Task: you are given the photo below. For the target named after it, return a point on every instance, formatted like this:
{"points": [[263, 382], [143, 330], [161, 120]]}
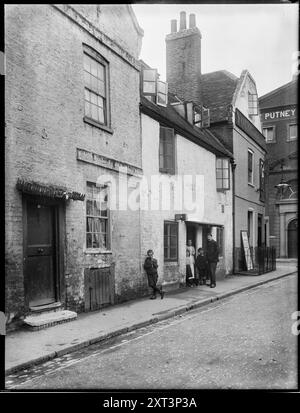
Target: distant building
{"points": [[279, 118], [72, 118], [234, 118]]}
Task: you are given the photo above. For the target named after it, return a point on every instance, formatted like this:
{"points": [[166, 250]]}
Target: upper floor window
{"points": [[222, 173], [292, 132], [96, 96], [269, 134], [97, 221], [154, 88], [261, 180], [167, 150], [250, 166], [201, 117], [252, 104]]}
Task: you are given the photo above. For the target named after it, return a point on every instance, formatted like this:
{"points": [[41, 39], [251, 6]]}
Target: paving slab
{"points": [[25, 348]]}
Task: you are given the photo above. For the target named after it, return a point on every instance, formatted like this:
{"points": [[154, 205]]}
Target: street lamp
{"points": [[283, 185]]}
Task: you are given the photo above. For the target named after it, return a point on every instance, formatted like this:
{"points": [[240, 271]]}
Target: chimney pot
{"points": [[192, 21], [173, 26], [182, 20]]}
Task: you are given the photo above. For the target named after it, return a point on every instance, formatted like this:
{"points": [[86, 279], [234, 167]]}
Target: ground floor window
{"points": [[97, 225], [170, 241]]}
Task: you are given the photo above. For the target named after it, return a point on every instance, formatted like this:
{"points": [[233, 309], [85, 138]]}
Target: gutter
{"points": [[233, 166]]}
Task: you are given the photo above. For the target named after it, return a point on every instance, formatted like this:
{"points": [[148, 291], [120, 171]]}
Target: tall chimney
{"points": [[183, 58], [192, 21], [173, 26], [182, 20]]}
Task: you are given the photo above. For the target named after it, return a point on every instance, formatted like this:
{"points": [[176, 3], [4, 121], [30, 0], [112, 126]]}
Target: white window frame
{"points": [[292, 138], [252, 176], [252, 104], [265, 129]]}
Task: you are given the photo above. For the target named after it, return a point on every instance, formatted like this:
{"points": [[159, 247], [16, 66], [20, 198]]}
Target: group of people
{"points": [[198, 271], [202, 270]]}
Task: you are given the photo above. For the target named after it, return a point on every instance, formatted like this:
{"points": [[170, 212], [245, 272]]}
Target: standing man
{"points": [[212, 258], [150, 267]]}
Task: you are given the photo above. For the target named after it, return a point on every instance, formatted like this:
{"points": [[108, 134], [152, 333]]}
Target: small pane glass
{"points": [[94, 83], [219, 163], [87, 79], [100, 74], [149, 74], [100, 115], [89, 224], [87, 109], [94, 112], [225, 173], [96, 239], [173, 229], [86, 63], [89, 207], [173, 252], [219, 173], [94, 98], [89, 240], [94, 68], [149, 87]]}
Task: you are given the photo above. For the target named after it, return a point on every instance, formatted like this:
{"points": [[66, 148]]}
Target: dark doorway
{"points": [[191, 234], [40, 253], [206, 229], [293, 239], [259, 230]]}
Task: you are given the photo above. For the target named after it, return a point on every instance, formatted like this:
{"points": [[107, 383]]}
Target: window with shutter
{"points": [[205, 118], [162, 93], [149, 82], [167, 150]]}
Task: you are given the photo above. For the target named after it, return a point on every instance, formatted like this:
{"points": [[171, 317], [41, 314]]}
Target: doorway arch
{"points": [[293, 238]]}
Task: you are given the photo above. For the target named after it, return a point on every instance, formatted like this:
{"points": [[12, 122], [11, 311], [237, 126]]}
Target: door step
{"points": [[48, 318]]}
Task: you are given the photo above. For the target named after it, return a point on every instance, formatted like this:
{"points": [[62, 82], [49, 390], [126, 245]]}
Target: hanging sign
{"points": [[246, 248]]}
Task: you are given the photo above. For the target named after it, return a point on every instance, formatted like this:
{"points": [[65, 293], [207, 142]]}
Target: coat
{"points": [[201, 262], [212, 252], [150, 267]]}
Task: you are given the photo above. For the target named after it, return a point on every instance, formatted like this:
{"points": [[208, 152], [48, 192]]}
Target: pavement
{"points": [[24, 348]]}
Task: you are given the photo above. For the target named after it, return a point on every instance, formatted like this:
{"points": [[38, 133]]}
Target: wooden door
{"points": [[293, 239], [40, 254]]}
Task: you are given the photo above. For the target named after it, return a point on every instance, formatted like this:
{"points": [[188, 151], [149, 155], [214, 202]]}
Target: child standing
{"points": [[150, 267], [201, 264]]}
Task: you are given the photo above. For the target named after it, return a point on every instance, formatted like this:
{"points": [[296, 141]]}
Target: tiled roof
{"points": [[169, 116], [217, 92]]}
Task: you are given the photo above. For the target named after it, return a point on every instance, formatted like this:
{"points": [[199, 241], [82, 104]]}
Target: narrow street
{"points": [[243, 342]]}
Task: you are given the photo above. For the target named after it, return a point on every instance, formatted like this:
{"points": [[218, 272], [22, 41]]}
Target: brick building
{"points": [[72, 119], [233, 108], [279, 118]]}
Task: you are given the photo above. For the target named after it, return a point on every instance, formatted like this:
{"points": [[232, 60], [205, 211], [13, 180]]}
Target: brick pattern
{"points": [[183, 57]]}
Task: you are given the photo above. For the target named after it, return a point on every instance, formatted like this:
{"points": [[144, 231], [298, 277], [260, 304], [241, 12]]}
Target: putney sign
{"points": [[279, 114]]}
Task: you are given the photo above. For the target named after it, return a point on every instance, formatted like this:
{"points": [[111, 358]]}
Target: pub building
{"points": [[279, 118]]}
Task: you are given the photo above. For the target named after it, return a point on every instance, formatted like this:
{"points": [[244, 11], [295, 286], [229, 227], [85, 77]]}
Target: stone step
{"points": [[48, 319]]}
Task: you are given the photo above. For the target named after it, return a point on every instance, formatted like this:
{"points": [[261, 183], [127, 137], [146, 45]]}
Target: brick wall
{"points": [[44, 127], [183, 58]]}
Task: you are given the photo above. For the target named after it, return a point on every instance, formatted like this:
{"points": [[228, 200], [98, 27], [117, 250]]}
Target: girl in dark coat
{"points": [[150, 267]]}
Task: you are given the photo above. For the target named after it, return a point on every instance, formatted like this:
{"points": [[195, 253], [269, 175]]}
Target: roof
{"points": [[217, 93], [169, 116], [283, 95]]}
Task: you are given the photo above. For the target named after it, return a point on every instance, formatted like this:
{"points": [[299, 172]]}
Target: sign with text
{"points": [[279, 113], [246, 248]]}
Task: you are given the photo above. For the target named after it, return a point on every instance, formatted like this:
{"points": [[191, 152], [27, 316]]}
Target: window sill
{"points": [[97, 251], [171, 263], [222, 190], [249, 183], [98, 125]]}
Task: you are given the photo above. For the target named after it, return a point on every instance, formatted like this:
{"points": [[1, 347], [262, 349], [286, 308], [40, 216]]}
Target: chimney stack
{"points": [[173, 26], [192, 21], [183, 58], [182, 20]]}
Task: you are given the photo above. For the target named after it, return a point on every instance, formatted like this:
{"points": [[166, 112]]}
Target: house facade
{"points": [[279, 118], [234, 118], [72, 142]]}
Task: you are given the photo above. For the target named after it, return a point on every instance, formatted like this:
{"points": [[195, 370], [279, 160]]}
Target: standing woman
{"points": [[192, 253]]}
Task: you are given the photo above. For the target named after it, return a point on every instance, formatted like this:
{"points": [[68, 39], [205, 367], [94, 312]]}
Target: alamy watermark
{"points": [[153, 193]]}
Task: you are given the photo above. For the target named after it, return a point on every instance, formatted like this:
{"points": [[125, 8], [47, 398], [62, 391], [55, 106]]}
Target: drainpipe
{"points": [[233, 166]]}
